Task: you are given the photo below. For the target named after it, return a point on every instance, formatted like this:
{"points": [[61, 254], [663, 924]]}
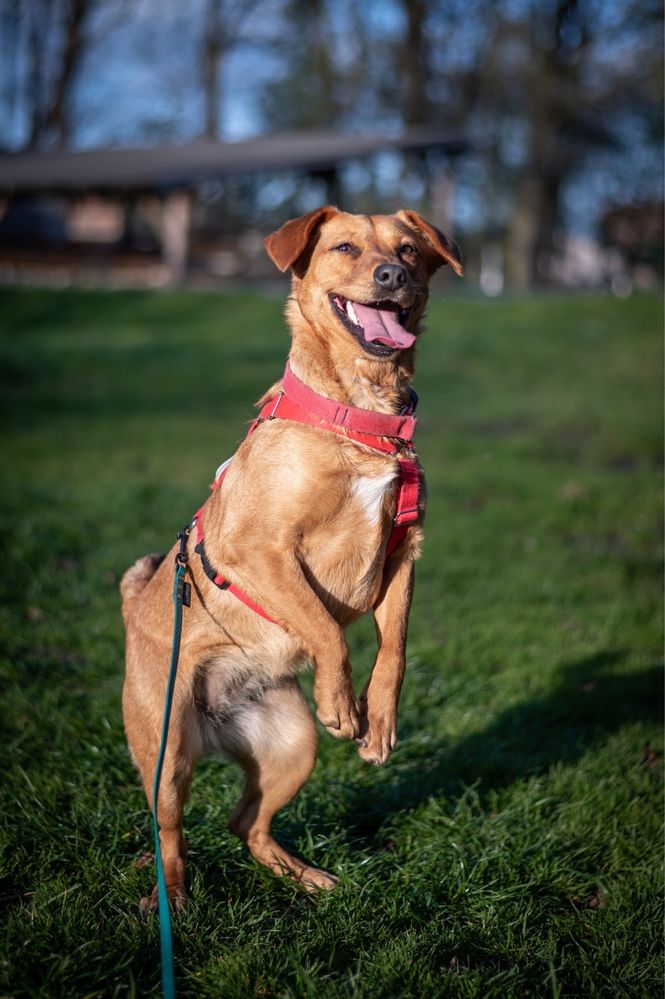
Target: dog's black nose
{"points": [[390, 276]]}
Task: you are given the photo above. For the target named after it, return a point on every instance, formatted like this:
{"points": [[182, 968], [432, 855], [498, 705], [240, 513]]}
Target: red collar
{"points": [[297, 401]]}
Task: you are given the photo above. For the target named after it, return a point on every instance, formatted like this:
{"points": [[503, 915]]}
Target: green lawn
{"points": [[512, 845]]}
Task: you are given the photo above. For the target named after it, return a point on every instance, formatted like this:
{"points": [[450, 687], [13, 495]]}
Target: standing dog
{"points": [[301, 524]]}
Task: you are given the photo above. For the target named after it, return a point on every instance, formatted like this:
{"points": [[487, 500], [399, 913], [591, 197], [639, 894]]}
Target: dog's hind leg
{"points": [[274, 740], [181, 755]]}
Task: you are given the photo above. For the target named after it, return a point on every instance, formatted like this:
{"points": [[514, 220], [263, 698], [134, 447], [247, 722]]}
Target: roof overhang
{"points": [[166, 167]]}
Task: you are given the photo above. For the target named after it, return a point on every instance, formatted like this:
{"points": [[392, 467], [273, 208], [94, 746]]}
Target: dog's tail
{"points": [[136, 579]]}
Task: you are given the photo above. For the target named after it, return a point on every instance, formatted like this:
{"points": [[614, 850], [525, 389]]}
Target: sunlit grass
{"points": [[512, 844]]}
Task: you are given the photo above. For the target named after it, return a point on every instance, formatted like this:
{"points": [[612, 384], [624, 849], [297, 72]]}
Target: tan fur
{"points": [[301, 524], [136, 579]]}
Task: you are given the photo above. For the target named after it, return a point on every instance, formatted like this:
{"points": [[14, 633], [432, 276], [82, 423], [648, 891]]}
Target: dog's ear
{"points": [[441, 249], [291, 246]]}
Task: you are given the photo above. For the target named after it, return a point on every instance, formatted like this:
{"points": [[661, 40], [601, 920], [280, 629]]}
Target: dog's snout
{"points": [[390, 276]]}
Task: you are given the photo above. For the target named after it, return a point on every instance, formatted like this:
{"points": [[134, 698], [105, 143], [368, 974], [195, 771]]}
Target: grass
{"points": [[512, 845]]}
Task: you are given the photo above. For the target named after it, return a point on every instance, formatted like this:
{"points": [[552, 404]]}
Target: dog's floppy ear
{"points": [[441, 249], [287, 245]]}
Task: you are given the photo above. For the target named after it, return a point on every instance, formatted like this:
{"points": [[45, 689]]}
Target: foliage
{"points": [[511, 846]]}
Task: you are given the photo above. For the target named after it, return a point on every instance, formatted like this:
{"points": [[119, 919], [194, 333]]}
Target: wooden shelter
{"points": [[171, 175]]}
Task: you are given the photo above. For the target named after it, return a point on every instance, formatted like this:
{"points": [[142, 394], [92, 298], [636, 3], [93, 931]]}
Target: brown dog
{"points": [[302, 524]]}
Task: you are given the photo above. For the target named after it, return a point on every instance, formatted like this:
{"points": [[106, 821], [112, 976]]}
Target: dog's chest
{"points": [[367, 494], [343, 556]]}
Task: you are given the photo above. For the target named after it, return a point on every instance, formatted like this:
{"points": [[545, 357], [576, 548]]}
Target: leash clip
{"points": [[182, 557], [183, 592]]}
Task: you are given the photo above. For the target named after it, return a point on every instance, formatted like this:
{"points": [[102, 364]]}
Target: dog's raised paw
{"points": [[341, 719], [370, 755], [346, 729], [375, 750]]}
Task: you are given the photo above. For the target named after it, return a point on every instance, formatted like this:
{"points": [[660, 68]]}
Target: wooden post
{"points": [[441, 194], [176, 218]]}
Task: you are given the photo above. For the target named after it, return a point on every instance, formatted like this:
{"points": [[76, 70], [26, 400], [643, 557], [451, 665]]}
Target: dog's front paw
{"points": [[378, 737], [339, 712]]}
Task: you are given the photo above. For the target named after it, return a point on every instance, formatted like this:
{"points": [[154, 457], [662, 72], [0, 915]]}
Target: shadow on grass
{"points": [[590, 702]]}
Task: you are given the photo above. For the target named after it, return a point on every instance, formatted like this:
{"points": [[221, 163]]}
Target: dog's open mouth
{"points": [[378, 327]]}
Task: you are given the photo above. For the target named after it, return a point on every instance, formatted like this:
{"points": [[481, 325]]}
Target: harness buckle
{"points": [[280, 396], [406, 516]]}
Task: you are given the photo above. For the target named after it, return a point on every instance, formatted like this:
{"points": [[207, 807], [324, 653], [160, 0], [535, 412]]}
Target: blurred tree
{"points": [[415, 64], [548, 91], [560, 123], [313, 90], [55, 35], [226, 25], [53, 123], [49, 40]]}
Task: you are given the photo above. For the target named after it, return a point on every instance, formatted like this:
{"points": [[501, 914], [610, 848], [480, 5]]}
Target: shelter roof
{"points": [[172, 166]]}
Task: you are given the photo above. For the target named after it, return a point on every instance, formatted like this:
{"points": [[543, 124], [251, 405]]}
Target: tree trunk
{"points": [[36, 17], [414, 59], [323, 71], [554, 72], [56, 120], [213, 46], [522, 233], [49, 121]]}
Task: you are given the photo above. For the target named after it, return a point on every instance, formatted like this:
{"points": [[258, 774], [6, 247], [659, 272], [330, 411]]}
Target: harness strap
{"points": [[336, 415], [406, 512], [210, 571], [379, 431], [283, 407], [225, 584]]}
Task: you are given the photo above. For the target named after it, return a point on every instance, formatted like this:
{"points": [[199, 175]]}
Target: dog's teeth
{"points": [[351, 313]]}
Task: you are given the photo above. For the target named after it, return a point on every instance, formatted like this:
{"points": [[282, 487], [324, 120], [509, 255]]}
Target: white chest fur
{"points": [[369, 491]]}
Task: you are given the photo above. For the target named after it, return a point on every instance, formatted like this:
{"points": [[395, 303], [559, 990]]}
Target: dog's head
{"points": [[362, 279]]}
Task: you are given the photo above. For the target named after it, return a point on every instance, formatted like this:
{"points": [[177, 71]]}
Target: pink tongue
{"points": [[381, 326]]}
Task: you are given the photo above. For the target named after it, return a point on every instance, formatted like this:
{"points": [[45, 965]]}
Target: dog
{"points": [[296, 541]]}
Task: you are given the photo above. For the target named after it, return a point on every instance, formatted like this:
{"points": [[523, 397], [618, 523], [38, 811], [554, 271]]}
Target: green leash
{"points": [[181, 597]]}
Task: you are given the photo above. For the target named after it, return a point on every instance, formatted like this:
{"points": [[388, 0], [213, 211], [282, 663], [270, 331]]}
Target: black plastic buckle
{"points": [[182, 557]]}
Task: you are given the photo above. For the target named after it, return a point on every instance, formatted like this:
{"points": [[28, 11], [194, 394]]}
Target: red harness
{"points": [[301, 404]]}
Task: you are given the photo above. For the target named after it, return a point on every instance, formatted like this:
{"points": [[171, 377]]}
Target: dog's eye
{"points": [[406, 248], [345, 248]]}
